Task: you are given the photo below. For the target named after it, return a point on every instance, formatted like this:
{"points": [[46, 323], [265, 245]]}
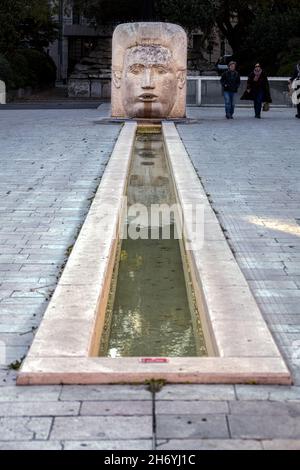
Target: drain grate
{"points": [[147, 163]]}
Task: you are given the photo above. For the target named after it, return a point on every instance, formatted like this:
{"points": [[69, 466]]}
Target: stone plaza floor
{"points": [[51, 162]]}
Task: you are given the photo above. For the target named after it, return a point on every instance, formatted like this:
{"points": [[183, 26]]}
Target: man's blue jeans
{"points": [[229, 98]]}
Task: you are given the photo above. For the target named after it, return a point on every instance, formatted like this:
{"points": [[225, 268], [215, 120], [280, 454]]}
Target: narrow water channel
{"points": [[151, 310]]}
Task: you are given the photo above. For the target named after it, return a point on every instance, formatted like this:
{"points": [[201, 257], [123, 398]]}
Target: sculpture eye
{"points": [[161, 70], [135, 69]]}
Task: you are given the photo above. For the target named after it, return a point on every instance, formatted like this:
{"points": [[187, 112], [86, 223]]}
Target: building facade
{"points": [[82, 53], [77, 38]]}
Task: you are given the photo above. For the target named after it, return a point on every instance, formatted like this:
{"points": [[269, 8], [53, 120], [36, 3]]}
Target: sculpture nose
{"points": [[147, 81]]}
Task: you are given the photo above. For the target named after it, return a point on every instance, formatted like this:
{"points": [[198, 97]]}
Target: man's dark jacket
{"points": [[230, 81]]}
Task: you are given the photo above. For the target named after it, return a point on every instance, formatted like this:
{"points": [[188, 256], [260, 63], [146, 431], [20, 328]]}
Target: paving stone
{"points": [[17, 339], [281, 444], [39, 408], [208, 444], [7, 377], [41, 393], [265, 392], [141, 444], [188, 407], [292, 394], [15, 301], [105, 392], [10, 267], [122, 408], [191, 426], [31, 445], [16, 429], [104, 427], [265, 408], [279, 426], [196, 392]]}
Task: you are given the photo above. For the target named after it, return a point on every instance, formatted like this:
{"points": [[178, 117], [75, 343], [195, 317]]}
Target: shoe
{"points": [[227, 116], [231, 117], [297, 116], [258, 117]]}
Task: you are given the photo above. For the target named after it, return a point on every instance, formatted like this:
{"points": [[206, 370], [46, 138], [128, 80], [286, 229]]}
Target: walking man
{"points": [[230, 82]]}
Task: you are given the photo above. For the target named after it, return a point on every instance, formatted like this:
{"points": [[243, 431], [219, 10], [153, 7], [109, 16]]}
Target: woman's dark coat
{"points": [[262, 83]]}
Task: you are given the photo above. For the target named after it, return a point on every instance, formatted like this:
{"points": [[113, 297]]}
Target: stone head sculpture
{"points": [[149, 70]]}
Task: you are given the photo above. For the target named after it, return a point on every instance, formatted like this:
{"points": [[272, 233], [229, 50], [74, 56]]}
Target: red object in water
{"points": [[155, 360]]}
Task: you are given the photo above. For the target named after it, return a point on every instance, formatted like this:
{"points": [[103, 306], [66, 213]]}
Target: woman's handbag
{"points": [[266, 106]]}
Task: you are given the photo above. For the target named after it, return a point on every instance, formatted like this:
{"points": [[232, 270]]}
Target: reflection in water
{"points": [[149, 313]]}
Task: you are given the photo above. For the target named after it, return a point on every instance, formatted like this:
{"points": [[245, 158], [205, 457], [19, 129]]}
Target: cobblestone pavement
{"points": [[51, 163]]}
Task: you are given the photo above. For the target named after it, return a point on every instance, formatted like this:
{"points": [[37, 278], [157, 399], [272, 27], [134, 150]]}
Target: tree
{"points": [[233, 18], [25, 22], [255, 29], [258, 30], [193, 14], [26, 29], [190, 13], [274, 26], [112, 11]]}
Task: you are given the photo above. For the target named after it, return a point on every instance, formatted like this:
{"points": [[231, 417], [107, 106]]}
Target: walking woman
{"points": [[258, 89]]}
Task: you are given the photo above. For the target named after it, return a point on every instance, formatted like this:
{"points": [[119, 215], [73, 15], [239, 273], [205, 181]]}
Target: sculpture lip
{"points": [[148, 97]]}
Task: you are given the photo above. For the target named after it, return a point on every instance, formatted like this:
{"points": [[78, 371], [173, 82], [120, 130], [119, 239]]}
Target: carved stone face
{"points": [[149, 70], [149, 82]]}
